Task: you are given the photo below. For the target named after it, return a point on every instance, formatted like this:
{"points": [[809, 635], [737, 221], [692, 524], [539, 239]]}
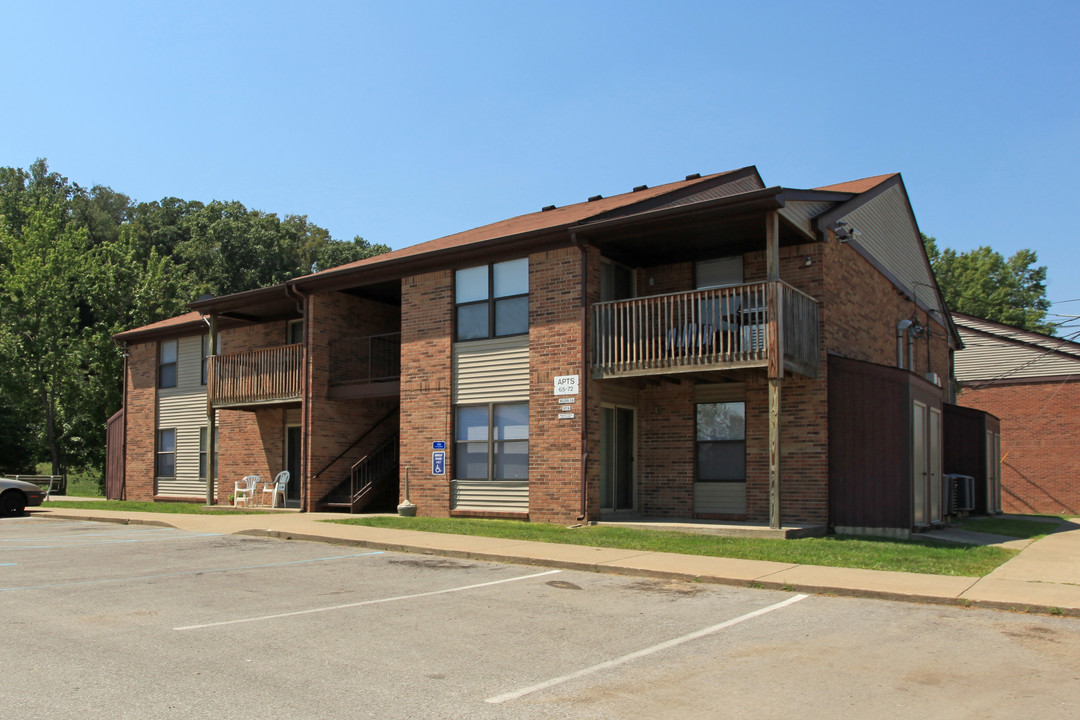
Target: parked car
{"points": [[15, 495]]}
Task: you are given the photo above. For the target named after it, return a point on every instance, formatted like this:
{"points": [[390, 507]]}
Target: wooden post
{"points": [[211, 451], [774, 453], [776, 359]]}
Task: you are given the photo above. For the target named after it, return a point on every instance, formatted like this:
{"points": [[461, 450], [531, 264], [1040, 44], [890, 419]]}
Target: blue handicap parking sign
{"points": [[438, 463]]}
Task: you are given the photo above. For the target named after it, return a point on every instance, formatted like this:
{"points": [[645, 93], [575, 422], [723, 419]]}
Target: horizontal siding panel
{"points": [[613, 393], [179, 487], [187, 482], [726, 498], [491, 495], [292, 416], [887, 232], [491, 370], [987, 358], [800, 213], [719, 392]]}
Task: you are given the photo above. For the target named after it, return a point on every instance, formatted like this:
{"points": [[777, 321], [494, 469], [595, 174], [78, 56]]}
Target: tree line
{"points": [[78, 265]]}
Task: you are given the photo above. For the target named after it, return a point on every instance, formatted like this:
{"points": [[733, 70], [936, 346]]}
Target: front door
{"points": [[292, 464], [617, 459]]}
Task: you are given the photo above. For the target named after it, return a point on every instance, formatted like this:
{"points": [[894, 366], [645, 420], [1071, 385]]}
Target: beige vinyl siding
{"points": [[887, 232], [613, 393], [719, 392], [292, 416], [728, 498], [495, 370], [491, 495], [486, 371], [184, 409], [996, 358], [799, 213]]}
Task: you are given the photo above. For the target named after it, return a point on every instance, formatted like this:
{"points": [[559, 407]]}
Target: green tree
{"points": [[42, 342], [983, 283]]}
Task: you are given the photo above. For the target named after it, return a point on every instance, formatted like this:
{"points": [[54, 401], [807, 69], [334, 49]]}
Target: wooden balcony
{"points": [[256, 377], [742, 326]]}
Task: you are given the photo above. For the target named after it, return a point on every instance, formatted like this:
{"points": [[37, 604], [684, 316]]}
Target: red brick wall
{"points": [[862, 307], [427, 306], [665, 457], [249, 443], [331, 426], [1040, 443], [140, 417], [554, 349]]}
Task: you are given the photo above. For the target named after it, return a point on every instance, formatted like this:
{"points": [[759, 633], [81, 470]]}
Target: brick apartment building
{"points": [[710, 348], [1029, 381]]}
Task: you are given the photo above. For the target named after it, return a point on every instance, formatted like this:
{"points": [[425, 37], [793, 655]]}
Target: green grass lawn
{"points": [[917, 556], [1029, 527], [176, 508]]}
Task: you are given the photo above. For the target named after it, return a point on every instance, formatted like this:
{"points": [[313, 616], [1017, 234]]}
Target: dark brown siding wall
{"points": [[965, 447], [869, 446], [114, 456]]}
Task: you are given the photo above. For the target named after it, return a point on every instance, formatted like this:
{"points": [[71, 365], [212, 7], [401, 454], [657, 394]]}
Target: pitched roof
{"points": [[522, 225], [173, 325], [1003, 353], [858, 186]]}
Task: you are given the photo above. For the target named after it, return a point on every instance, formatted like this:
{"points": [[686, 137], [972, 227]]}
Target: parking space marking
{"points": [[189, 572], [522, 692], [39, 538], [364, 602], [93, 543]]}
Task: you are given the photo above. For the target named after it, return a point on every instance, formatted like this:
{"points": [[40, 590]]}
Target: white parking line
{"points": [[516, 694], [188, 572], [94, 543], [364, 602], [39, 538]]}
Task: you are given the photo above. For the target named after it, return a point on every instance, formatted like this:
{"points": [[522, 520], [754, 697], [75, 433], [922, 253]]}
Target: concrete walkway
{"points": [[1043, 577]]}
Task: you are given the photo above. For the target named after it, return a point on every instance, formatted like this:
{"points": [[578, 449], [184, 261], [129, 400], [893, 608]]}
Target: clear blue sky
{"points": [[405, 121]]}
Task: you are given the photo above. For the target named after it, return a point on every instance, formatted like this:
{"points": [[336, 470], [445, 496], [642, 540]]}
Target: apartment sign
{"points": [[566, 384]]}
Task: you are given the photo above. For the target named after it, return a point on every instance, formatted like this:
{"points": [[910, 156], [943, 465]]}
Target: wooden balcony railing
{"points": [[714, 329], [256, 376], [367, 359]]}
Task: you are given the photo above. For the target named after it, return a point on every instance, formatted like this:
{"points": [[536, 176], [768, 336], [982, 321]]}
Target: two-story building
{"points": [[710, 348]]}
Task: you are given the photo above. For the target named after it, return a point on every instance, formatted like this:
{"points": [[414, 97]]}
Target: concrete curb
{"points": [[614, 568]]}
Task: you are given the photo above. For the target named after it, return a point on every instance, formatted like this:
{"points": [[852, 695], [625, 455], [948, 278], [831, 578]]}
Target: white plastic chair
{"points": [[281, 482], [244, 491]]}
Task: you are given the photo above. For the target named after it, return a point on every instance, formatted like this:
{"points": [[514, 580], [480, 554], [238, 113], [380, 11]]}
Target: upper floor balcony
{"points": [[255, 377], [765, 324], [365, 366]]}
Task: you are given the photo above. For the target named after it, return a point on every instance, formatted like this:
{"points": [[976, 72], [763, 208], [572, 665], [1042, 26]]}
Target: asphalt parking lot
{"points": [[115, 621]]}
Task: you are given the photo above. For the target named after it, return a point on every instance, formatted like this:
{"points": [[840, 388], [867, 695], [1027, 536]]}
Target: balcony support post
{"points": [[776, 359]]}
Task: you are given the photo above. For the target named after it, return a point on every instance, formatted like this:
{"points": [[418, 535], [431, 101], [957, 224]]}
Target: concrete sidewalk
{"points": [[1043, 577]]}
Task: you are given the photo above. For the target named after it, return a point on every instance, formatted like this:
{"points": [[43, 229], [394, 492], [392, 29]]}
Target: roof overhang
{"points": [[253, 306]]}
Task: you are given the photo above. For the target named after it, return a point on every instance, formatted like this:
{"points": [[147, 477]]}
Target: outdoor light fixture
{"points": [[844, 232]]}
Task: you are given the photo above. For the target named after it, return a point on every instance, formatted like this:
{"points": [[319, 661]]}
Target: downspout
{"points": [[123, 442], [584, 411], [901, 331], [301, 303]]}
